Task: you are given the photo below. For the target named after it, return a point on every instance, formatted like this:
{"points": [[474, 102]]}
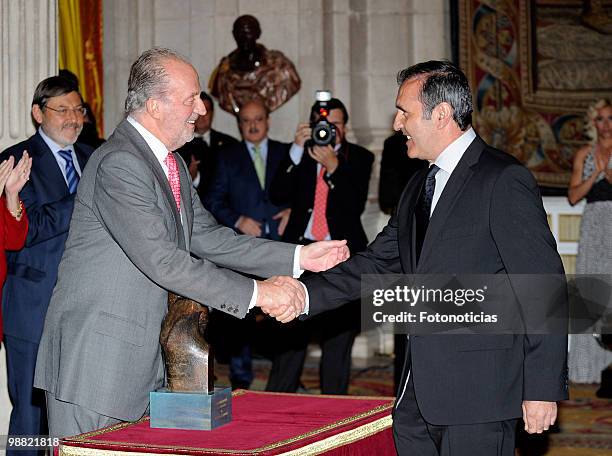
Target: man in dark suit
{"points": [[326, 188], [201, 152], [58, 161], [239, 198], [476, 210]]}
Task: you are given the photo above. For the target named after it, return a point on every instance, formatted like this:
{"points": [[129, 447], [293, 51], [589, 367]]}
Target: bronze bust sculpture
{"points": [[251, 71], [187, 355]]}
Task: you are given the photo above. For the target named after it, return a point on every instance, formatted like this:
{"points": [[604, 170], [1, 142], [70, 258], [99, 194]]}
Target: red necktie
{"points": [[319, 220], [173, 178]]}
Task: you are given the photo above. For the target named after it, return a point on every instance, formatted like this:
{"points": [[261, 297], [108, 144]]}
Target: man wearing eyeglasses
{"points": [[48, 197]]}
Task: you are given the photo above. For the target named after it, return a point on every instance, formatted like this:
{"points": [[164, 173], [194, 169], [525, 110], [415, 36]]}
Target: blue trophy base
{"points": [[190, 410]]}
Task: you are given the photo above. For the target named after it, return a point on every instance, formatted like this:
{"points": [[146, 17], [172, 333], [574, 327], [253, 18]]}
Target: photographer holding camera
{"points": [[325, 183]]}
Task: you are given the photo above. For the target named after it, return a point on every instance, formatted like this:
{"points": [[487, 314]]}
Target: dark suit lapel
{"points": [[148, 156], [216, 140], [407, 227], [275, 156], [44, 160], [451, 193], [310, 169]]}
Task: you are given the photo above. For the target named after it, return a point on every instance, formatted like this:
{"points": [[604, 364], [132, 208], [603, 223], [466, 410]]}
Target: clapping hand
{"points": [[6, 167], [18, 175], [323, 255], [281, 297]]}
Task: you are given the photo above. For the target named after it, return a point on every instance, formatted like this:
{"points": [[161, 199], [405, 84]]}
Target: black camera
{"points": [[323, 131]]}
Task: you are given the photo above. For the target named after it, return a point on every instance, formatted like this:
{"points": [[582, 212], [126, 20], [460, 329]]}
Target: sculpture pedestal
{"points": [[190, 410]]}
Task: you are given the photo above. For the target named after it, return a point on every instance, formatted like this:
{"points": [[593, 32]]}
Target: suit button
{"points": [[301, 238], [309, 210]]}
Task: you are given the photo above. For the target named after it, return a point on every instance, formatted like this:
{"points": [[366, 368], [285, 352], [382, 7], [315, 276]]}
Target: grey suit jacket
{"points": [[126, 249]]}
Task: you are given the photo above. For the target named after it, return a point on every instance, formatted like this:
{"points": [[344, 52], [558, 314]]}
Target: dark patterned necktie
{"points": [[72, 177], [423, 209]]}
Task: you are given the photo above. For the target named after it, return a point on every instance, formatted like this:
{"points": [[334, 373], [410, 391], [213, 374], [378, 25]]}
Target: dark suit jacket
{"points": [[207, 155], [32, 272], [489, 220], [348, 193], [235, 188]]}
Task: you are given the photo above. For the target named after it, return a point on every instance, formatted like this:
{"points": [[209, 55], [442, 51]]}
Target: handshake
{"points": [[283, 297]]}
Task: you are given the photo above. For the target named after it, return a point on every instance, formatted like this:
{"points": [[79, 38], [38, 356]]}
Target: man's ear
{"points": [[442, 115], [153, 108], [37, 114]]}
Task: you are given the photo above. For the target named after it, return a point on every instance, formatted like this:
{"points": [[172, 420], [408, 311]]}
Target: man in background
{"points": [[201, 152], [326, 188], [239, 198], [58, 161]]}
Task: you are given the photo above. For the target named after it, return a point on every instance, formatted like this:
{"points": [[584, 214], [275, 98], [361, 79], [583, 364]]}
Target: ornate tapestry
{"points": [[534, 67]]}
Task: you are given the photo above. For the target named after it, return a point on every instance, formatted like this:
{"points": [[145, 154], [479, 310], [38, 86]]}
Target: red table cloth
{"points": [[263, 424]]}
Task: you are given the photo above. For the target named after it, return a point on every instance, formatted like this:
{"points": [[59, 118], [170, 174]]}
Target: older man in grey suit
{"points": [[138, 231]]}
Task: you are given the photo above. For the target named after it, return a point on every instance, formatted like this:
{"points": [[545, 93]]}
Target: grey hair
{"points": [[148, 77]]}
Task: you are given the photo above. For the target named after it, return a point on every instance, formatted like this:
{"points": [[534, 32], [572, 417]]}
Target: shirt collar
{"points": [[263, 145], [204, 136], [450, 156], [55, 147], [158, 147]]}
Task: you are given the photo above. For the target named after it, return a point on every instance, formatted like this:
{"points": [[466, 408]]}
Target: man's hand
{"points": [[326, 156], [302, 134], [539, 416], [284, 219], [322, 255], [281, 297], [247, 225], [193, 167]]}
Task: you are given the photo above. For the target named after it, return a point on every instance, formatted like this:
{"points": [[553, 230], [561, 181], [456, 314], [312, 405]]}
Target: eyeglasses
{"points": [[81, 111]]}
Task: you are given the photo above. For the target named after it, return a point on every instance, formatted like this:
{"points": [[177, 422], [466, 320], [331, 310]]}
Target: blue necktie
{"points": [[430, 187], [71, 175]]}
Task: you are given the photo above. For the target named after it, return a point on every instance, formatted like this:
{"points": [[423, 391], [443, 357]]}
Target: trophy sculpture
{"points": [[190, 400]]}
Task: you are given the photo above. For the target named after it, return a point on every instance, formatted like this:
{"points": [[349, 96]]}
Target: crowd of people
{"points": [[96, 240]]}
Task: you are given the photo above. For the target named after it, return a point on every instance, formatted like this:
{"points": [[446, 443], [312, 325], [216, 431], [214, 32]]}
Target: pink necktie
{"points": [[173, 178], [319, 219]]}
